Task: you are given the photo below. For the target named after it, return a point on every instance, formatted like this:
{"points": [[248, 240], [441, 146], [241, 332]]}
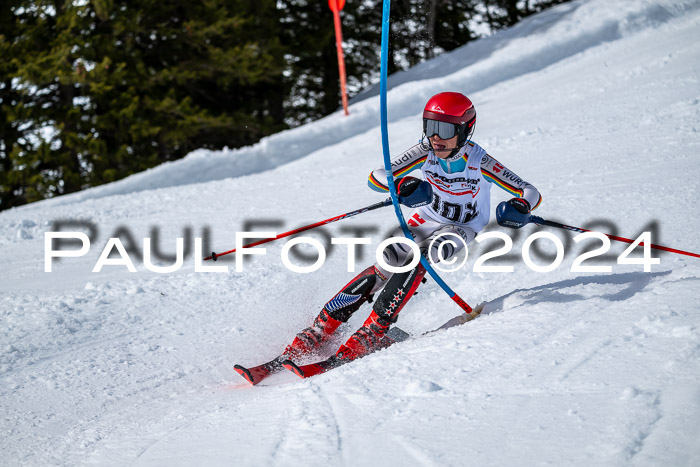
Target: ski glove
{"points": [[414, 192], [508, 214]]}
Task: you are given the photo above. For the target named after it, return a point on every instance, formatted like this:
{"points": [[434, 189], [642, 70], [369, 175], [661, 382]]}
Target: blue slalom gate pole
{"points": [[387, 160]]}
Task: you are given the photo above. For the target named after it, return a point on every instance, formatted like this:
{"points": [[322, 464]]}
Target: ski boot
{"points": [[312, 337], [365, 340]]}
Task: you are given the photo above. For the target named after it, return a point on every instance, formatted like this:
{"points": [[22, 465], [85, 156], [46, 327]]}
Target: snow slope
{"points": [[597, 103]]}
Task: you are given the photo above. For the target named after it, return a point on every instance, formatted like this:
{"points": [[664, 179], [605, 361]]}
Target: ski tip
{"points": [[291, 366], [243, 371]]}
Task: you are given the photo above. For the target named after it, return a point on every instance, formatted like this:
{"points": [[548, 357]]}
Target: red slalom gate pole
{"points": [[386, 202], [336, 6]]}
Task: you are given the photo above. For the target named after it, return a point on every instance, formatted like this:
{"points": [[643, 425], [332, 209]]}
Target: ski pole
{"points": [[540, 221], [386, 202]]}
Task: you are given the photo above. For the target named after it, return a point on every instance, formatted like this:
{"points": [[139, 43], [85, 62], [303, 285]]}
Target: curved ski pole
{"points": [[386, 202], [387, 160]]}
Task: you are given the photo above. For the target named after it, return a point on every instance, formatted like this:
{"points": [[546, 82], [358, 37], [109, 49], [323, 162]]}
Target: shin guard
{"points": [[397, 292]]}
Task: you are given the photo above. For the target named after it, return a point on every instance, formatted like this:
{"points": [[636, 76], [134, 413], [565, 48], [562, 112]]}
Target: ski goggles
{"points": [[445, 130]]}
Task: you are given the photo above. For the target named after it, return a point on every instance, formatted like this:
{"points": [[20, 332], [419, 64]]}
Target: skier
{"points": [[457, 178]]}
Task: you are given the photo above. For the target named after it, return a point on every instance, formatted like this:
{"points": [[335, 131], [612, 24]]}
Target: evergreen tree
{"points": [[108, 88], [181, 76], [13, 120], [362, 43], [501, 14], [313, 86], [420, 29], [37, 102], [453, 24]]}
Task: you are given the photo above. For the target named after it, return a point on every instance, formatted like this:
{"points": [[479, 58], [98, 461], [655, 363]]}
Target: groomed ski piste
{"points": [[596, 103]]}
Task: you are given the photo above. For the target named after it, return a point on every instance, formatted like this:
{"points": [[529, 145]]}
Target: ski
{"points": [[258, 373], [313, 369], [392, 336]]}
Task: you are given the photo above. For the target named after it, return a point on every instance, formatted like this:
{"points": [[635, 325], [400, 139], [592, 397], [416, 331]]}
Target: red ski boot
{"points": [[365, 340], [313, 336], [337, 311]]}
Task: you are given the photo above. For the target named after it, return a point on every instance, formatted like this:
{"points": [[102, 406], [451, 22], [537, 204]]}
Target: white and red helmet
{"points": [[448, 114]]}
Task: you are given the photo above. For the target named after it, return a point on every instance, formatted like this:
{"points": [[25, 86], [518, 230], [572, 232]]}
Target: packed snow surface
{"points": [[596, 103]]}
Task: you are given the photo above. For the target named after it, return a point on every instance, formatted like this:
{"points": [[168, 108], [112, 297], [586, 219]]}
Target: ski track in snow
{"points": [[594, 102]]}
